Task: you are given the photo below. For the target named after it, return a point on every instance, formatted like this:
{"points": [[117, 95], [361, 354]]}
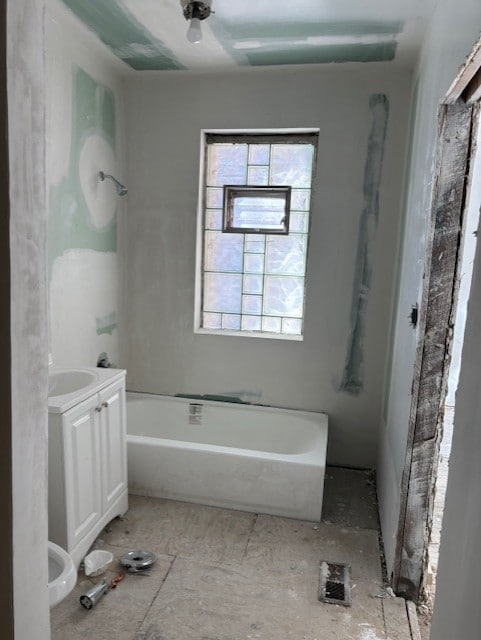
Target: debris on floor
{"points": [[221, 573]]}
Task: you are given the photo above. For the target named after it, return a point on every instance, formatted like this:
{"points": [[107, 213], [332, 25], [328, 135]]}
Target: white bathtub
{"points": [[258, 459]]}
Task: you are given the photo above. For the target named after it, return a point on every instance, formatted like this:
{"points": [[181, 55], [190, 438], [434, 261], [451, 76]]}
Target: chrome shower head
{"points": [[120, 188]]}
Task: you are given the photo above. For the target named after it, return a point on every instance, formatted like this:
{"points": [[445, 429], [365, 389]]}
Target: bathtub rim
{"points": [[310, 456], [223, 403]]}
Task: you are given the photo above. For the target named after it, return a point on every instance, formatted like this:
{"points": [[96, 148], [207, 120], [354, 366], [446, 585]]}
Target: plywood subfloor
{"points": [[230, 575]]}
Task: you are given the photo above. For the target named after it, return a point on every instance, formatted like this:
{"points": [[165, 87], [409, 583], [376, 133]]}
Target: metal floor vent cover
{"points": [[335, 583]]}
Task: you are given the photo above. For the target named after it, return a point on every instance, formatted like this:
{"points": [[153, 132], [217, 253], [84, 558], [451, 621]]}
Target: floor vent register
{"points": [[335, 583]]}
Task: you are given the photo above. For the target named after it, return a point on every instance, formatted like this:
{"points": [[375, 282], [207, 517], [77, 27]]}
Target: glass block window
{"points": [[251, 275]]}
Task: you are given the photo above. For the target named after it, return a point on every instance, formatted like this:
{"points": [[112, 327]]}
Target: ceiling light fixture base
{"points": [[197, 10]]}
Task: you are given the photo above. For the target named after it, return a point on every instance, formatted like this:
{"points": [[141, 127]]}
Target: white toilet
{"points": [[62, 574]]}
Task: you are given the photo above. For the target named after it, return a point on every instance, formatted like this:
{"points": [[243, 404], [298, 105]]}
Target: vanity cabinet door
{"points": [[113, 443], [82, 469]]}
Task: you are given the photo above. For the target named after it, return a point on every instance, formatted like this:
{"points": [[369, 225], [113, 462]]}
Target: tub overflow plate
{"points": [[136, 561]]}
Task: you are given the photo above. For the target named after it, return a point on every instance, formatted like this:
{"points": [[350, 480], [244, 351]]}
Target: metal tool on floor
{"points": [[93, 595], [138, 561]]}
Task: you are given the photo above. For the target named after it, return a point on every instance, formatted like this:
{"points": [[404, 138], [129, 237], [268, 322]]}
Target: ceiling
{"points": [[151, 34]]}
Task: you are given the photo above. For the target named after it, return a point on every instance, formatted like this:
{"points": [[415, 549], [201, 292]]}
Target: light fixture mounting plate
{"points": [[199, 10]]}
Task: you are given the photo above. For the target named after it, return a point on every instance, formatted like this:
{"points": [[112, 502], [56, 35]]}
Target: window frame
{"points": [[231, 191], [207, 136]]}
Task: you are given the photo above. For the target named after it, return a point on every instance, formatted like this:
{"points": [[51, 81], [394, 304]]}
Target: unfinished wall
{"points": [[338, 367], [451, 35], [84, 135], [26, 138]]}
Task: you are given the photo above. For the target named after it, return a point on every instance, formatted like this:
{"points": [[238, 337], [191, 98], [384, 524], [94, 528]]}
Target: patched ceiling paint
{"points": [[302, 42], [129, 40], [151, 34]]}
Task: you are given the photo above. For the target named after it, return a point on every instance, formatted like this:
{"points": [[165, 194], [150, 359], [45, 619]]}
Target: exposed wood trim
{"points": [[433, 353], [413, 621], [6, 519], [465, 74]]}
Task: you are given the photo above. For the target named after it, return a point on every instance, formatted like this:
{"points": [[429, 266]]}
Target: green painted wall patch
{"points": [[106, 324]]}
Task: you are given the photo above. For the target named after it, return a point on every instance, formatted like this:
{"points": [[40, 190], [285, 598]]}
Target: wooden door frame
{"points": [[457, 126]]}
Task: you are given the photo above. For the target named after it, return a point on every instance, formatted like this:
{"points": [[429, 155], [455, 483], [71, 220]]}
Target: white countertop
{"points": [[100, 379]]}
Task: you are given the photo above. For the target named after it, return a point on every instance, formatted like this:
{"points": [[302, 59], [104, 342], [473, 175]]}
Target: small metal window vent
{"points": [[335, 583]]}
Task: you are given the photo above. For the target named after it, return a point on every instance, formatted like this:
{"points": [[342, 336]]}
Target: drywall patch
{"points": [[106, 324], [353, 375], [312, 29], [382, 52], [124, 35], [70, 223], [100, 197], [83, 293], [314, 42]]}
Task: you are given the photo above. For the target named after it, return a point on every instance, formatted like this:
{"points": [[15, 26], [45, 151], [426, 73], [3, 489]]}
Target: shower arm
{"points": [[121, 189]]}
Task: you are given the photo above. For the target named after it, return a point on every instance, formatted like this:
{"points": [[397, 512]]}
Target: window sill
{"points": [[250, 334]]}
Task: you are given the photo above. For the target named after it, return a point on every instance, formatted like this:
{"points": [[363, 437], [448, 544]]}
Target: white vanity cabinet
{"points": [[87, 465], [113, 447]]}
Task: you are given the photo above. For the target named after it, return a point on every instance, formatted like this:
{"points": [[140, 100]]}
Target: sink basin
{"points": [[62, 574], [62, 382], [67, 386]]}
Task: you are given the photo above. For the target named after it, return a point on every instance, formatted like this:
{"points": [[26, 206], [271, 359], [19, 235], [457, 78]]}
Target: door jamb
{"points": [[458, 119]]}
